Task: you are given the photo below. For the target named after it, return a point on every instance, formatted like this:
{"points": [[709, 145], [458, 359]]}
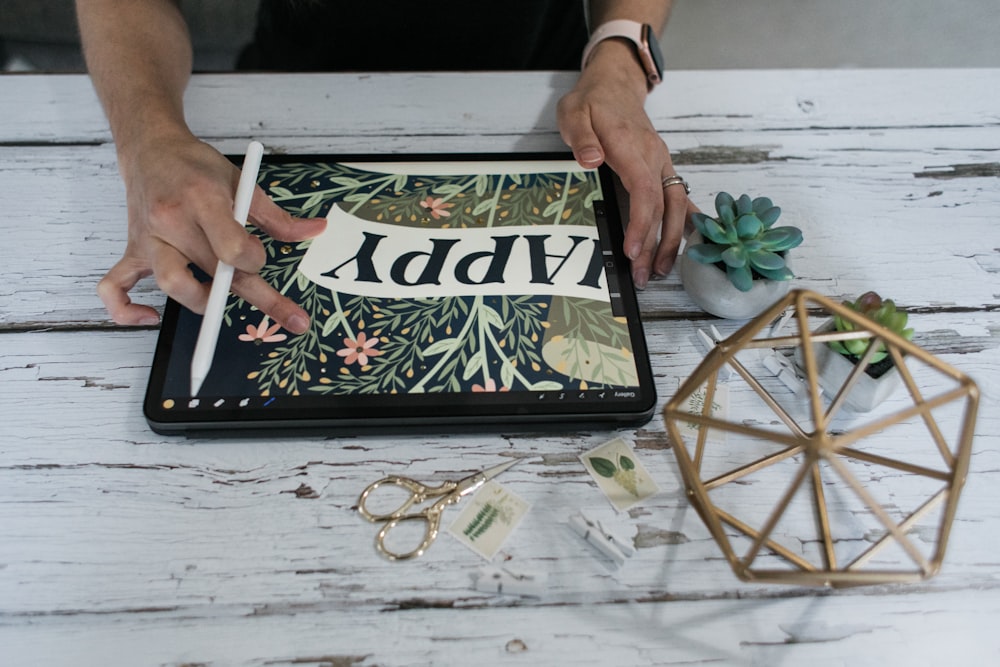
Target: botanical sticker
{"points": [[619, 474], [695, 405], [488, 519]]}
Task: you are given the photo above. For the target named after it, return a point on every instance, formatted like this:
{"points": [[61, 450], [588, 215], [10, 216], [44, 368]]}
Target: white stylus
{"points": [[208, 335]]}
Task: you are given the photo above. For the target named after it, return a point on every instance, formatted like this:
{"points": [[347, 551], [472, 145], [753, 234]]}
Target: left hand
{"points": [[603, 119]]}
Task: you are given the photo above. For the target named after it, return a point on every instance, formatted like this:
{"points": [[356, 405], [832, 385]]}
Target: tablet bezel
{"points": [[522, 409]]}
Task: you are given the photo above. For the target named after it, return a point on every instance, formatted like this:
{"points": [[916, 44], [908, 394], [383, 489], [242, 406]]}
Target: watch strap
{"points": [[626, 29]]}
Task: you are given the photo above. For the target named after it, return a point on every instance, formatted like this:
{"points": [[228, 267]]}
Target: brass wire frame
{"points": [[819, 445]]}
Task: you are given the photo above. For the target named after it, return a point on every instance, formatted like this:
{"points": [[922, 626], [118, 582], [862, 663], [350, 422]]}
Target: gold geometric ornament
{"points": [[798, 489]]}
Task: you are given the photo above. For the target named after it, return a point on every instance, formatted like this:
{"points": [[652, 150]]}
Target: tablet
{"points": [[476, 291]]}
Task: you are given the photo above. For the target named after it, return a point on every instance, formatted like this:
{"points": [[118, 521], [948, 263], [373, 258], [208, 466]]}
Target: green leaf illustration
{"points": [[485, 525], [604, 467], [441, 346], [546, 385], [553, 208], [483, 207], [475, 363], [281, 192], [332, 323], [346, 181], [626, 463], [491, 317], [480, 523], [506, 375]]}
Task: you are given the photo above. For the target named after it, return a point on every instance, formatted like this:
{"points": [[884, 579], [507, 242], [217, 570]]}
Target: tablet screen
{"points": [[471, 290]]}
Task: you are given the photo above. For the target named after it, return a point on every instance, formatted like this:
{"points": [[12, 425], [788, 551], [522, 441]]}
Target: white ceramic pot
{"points": [[834, 368], [710, 289]]}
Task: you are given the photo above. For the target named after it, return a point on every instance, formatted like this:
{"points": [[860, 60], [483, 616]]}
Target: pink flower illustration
{"points": [[262, 333], [359, 350], [437, 207], [491, 385]]}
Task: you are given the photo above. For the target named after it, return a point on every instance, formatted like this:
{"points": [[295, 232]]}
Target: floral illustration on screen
{"points": [[263, 333], [476, 342]]}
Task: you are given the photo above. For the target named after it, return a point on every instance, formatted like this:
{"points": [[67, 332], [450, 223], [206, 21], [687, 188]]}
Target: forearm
{"points": [[139, 57]]}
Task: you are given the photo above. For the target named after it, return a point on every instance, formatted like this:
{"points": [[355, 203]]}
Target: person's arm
{"points": [[603, 119], [179, 189]]}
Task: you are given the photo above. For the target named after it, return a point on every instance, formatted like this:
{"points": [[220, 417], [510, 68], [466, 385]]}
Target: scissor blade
{"points": [[490, 473], [473, 482]]}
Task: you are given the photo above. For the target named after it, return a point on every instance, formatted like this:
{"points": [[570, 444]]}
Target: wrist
{"points": [[147, 133], [645, 48], [614, 60]]}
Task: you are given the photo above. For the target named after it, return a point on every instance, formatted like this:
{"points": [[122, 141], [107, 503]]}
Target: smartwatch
{"points": [[641, 35]]}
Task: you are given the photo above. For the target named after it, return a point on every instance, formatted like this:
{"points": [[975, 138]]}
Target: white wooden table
{"points": [[122, 547]]}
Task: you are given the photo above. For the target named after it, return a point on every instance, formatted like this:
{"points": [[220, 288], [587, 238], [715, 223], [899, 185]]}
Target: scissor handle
{"points": [[418, 494], [432, 523]]}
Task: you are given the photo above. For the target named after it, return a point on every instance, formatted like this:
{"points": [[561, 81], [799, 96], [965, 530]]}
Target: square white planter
{"points": [[834, 368]]}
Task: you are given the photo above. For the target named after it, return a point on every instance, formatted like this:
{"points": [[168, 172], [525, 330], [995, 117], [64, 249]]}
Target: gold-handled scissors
{"points": [[450, 493]]}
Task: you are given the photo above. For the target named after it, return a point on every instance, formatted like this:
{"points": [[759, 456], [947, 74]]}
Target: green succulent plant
{"points": [[743, 238], [881, 311]]}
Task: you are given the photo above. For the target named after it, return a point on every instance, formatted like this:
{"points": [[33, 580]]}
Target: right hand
{"points": [[603, 119], [180, 196]]}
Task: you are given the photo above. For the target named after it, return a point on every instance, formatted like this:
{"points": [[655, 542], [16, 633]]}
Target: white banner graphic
{"points": [[356, 256]]}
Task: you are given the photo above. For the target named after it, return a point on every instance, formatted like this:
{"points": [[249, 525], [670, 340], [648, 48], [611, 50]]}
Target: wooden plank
{"points": [[71, 227], [953, 628], [65, 109], [111, 518]]}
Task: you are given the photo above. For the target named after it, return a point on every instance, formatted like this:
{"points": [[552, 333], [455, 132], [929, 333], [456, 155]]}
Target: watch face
{"points": [[653, 45]]}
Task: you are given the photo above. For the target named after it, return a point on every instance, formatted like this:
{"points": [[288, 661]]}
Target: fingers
{"points": [[279, 223], [216, 230], [657, 215], [642, 234], [674, 219], [176, 279], [280, 309], [113, 290]]}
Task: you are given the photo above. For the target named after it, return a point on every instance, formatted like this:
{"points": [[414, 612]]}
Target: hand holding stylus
{"points": [[208, 334], [180, 212]]}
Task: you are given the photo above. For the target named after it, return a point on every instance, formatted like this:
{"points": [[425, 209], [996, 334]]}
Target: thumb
{"points": [[114, 288], [577, 131]]}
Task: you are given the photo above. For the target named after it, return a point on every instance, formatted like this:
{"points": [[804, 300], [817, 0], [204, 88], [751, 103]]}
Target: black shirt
{"points": [[413, 35]]}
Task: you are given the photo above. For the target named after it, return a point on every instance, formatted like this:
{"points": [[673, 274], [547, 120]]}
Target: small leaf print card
{"points": [[720, 410], [619, 474], [488, 519]]}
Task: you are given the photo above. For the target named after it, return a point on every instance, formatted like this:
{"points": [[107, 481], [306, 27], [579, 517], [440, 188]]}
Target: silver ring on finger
{"points": [[676, 180]]}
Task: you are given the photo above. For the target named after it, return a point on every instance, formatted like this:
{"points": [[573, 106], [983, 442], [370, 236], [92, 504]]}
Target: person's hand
{"points": [[603, 120], [180, 210]]}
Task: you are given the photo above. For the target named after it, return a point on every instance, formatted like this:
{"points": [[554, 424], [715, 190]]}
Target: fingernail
{"points": [[641, 278], [149, 321], [590, 157], [633, 251], [298, 324]]}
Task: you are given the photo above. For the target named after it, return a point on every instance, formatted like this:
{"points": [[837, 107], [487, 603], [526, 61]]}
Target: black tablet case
{"points": [[391, 344]]}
